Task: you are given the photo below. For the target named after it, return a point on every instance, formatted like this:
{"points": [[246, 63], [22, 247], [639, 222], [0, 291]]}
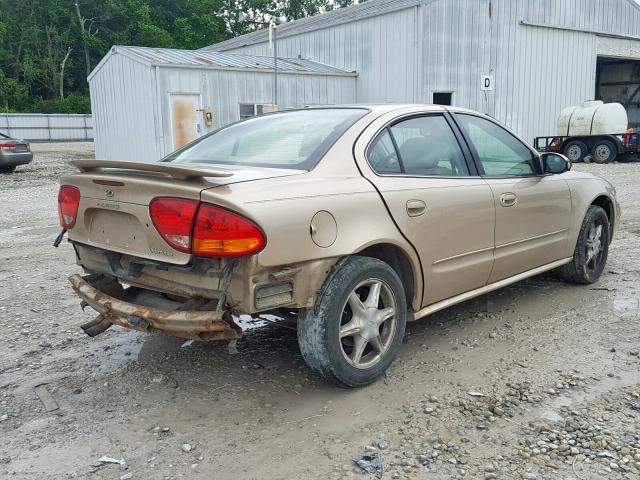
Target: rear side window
{"points": [[296, 139], [383, 156], [499, 152], [426, 146]]}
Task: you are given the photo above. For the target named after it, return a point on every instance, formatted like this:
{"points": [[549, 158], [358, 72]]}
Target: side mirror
{"points": [[555, 163]]}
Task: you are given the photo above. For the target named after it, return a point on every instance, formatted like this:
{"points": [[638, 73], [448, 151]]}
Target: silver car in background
{"points": [[13, 153]]}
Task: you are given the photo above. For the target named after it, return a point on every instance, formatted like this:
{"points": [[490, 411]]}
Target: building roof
{"points": [[169, 57], [338, 16]]}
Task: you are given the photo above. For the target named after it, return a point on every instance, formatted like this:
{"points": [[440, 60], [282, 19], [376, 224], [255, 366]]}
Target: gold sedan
{"points": [[352, 219]]}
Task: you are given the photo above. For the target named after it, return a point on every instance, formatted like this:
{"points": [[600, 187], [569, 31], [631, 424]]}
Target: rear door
{"points": [[533, 210], [437, 200]]}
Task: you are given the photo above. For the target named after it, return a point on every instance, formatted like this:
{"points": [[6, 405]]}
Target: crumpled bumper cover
{"points": [[114, 308]]}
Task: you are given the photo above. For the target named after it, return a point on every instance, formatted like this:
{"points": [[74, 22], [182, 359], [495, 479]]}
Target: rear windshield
{"points": [[296, 139]]}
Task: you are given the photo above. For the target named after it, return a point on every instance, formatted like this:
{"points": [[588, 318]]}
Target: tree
{"points": [[12, 92], [86, 32], [48, 47]]}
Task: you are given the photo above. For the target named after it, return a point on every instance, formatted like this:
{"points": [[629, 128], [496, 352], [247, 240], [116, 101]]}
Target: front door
{"points": [[441, 206], [533, 210], [186, 123]]}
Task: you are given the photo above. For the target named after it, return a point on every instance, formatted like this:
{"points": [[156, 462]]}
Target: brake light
{"points": [[7, 146], [204, 230], [68, 203], [173, 219], [220, 232]]}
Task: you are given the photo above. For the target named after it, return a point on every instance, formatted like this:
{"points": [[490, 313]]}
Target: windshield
{"points": [[296, 139]]}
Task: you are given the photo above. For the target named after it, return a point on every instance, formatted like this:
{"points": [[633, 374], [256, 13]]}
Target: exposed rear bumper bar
{"points": [[113, 307]]}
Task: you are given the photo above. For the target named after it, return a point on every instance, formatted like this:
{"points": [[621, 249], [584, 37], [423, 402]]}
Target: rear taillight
{"points": [[220, 232], [173, 218], [7, 146], [203, 229], [68, 202]]}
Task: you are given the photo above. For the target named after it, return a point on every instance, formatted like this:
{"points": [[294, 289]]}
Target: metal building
{"points": [[520, 61], [147, 102]]}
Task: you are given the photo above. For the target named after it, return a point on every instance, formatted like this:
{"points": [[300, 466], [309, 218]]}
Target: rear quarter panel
{"points": [[285, 211]]}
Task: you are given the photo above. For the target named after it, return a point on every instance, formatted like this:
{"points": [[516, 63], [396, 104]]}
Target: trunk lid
{"points": [[115, 196]]}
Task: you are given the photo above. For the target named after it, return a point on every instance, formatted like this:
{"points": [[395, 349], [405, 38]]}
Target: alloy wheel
{"points": [[594, 247], [368, 323]]}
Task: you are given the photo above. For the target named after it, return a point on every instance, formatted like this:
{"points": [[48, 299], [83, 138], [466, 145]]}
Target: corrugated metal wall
{"points": [[381, 49], [124, 113], [225, 90], [537, 71], [614, 16], [47, 127]]}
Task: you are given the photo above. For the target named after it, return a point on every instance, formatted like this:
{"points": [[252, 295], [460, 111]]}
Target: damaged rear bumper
{"points": [[193, 319]]}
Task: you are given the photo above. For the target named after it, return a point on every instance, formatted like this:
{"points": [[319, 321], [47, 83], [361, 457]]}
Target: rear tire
{"points": [[592, 249], [604, 152], [10, 169], [352, 334], [575, 150]]}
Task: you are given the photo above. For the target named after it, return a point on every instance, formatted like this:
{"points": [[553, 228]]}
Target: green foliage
{"points": [[47, 47], [11, 91], [72, 103]]}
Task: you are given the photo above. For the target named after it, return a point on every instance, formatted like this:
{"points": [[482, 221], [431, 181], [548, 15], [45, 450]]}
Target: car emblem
{"points": [[109, 193]]}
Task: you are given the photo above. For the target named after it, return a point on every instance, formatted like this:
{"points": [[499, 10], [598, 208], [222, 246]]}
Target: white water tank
{"points": [[593, 118]]}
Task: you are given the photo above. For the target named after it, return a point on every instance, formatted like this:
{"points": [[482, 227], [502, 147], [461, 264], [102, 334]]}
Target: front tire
{"points": [[355, 328], [592, 249], [9, 169]]}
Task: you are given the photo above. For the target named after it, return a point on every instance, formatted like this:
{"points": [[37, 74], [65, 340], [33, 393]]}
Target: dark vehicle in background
{"points": [[13, 153]]}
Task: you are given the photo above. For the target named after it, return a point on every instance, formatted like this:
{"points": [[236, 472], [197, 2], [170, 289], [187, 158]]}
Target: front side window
{"points": [[296, 139], [499, 152], [426, 146]]}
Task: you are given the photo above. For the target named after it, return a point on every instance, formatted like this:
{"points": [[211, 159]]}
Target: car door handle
{"points": [[508, 199], [415, 208]]}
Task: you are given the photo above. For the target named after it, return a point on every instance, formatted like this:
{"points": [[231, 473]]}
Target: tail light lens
{"points": [[7, 146], [173, 219], [220, 232], [68, 202], [203, 229]]}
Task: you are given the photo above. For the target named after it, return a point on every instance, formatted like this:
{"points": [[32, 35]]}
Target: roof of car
{"points": [[387, 107]]}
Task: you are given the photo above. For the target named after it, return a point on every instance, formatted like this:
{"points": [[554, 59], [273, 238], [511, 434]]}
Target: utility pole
{"points": [[272, 25], [275, 62]]}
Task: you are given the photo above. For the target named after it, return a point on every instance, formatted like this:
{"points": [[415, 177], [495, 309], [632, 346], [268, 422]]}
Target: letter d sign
{"points": [[486, 83]]}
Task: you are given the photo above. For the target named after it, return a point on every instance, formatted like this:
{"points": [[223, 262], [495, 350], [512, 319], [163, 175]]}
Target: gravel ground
{"points": [[540, 380]]}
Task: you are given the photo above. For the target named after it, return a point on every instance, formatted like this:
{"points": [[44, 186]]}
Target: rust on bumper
{"points": [[114, 308]]}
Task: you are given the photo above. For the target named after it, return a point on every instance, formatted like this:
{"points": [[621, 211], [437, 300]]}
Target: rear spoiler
{"points": [[175, 170]]}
